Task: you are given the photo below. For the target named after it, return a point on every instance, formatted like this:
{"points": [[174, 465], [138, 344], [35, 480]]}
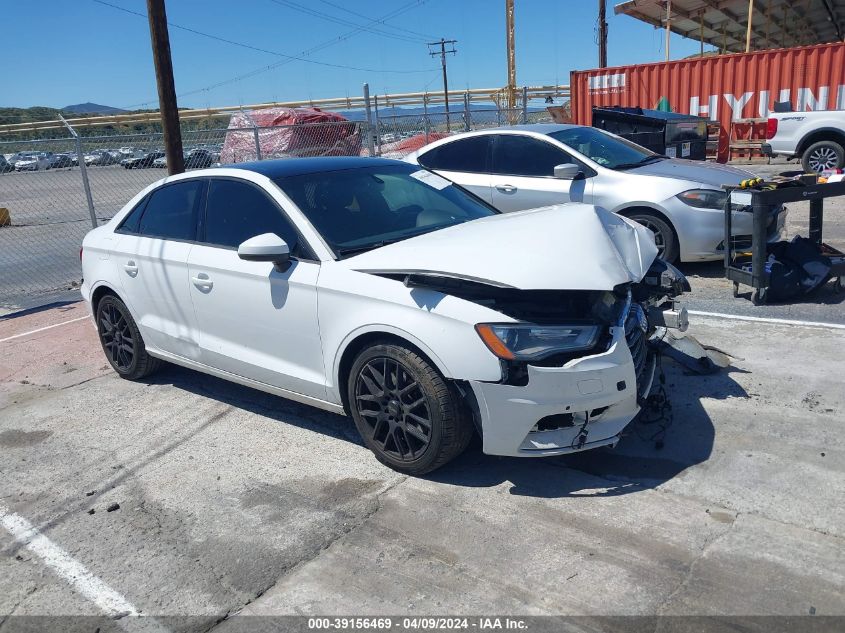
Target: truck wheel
{"points": [[823, 155], [406, 412], [664, 235]]}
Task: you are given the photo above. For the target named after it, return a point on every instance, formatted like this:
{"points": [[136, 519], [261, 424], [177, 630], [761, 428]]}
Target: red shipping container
{"points": [[720, 87]]}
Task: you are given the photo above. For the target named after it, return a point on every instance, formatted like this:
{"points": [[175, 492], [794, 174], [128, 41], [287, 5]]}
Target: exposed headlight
{"points": [[714, 199], [704, 198], [535, 342]]}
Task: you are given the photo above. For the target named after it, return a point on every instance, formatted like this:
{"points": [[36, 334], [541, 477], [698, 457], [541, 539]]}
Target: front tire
{"points": [[406, 412], [121, 340], [664, 236], [823, 155]]}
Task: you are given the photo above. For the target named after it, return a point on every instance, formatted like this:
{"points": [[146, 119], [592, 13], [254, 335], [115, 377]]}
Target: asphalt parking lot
{"points": [[188, 496]]}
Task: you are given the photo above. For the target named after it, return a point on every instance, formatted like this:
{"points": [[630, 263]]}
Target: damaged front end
{"points": [[577, 365]]}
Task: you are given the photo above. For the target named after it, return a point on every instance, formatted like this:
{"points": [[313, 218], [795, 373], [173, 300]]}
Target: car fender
{"points": [[352, 304], [388, 329]]}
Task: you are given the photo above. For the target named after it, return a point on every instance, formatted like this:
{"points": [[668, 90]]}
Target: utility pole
{"points": [[509, 35], [668, 25], [442, 52], [160, 40], [602, 34]]}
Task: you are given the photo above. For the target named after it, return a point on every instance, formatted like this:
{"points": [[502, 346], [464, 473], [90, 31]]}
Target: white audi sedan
{"points": [[380, 290]]}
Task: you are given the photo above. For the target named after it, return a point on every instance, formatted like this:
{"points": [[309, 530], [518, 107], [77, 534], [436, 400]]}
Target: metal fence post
{"points": [[257, 141], [370, 147], [467, 115], [426, 123], [249, 118], [525, 104], [80, 157], [378, 130]]}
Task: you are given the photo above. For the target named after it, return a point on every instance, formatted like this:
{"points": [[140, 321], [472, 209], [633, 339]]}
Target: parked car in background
{"points": [[816, 137], [141, 162], [199, 159], [58, 161], [160, 162], [100, 158], [5, 165], [33, 162], [529, 166], [374, 288]]}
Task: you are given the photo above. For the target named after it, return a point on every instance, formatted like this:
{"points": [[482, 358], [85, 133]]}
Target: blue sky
{"points": [[73, 52]]}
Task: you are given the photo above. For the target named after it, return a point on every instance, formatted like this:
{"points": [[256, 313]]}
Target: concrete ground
{"points": [[230, 502]]}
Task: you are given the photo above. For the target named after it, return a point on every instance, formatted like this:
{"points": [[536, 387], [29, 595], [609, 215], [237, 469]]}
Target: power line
{"points": [[379, 21], [257, 71], [337, 20], [262, 50]]}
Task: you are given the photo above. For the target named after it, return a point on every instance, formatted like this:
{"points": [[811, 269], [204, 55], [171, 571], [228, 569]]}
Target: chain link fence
{"points": [[56, 189]]}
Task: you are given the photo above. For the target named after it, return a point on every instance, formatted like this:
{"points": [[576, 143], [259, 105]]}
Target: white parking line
{"points": [[75, 573], [41, 329], [773, 321]]}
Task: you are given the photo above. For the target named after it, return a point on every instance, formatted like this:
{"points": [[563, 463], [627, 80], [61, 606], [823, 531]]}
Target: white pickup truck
{"points": [[817, 137]]}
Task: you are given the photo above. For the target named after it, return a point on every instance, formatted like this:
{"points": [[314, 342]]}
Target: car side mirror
{"points": [[567, 171], [267, 247]]}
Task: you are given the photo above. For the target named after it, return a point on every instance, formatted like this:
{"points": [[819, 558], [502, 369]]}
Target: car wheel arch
{"points": [[101, 290], [644, 208], [816, 136], [362, 338]]}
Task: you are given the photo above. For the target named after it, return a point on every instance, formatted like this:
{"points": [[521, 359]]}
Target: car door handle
{"points": [[202, 282], [506, 188], [131, 268]]}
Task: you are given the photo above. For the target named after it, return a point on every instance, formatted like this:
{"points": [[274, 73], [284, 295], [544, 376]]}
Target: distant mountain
{"points": [[92, 108]]}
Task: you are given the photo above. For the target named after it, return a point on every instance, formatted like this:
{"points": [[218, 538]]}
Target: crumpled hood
{"points": [[712, 174], [560, 247]]}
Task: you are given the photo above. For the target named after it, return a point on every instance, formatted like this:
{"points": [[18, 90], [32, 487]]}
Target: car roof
{"points": [[284, 167], [542, 128]]}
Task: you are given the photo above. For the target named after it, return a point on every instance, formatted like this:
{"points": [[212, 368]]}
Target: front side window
{"points": [[237, 211], [358, 209], [608, 151], [171, 211], [466, 155], [516, 155]]}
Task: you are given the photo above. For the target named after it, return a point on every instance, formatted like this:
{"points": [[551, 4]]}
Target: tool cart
{"points": [[766, 197]]}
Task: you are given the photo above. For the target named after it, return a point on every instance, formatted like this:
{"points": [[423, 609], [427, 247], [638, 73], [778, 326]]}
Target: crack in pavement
{"points": [[664, 604]]}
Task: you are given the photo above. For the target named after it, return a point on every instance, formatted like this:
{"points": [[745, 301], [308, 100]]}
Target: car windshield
{"points": [[608, 151], [356, 210]]}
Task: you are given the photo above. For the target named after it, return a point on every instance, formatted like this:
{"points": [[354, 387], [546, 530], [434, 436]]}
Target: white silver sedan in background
{"points": [[381, 290], [528, 166]]}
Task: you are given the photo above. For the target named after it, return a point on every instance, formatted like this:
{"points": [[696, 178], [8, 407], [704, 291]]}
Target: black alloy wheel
{"points": [[394, 407], [406, 412], [121, 340]]}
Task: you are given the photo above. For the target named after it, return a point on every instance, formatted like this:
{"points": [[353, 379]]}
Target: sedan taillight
{"points": [[80, 254], [771, 128]]}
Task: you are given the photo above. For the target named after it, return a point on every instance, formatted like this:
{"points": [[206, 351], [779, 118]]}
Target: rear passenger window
{"points": [[237, 211], [467, 154], [171, 211], [133, 219]]}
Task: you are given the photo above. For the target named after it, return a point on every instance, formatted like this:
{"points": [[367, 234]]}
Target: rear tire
{"points": [[408, 415], [121, 340], [823, 155], [664, 234]]}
